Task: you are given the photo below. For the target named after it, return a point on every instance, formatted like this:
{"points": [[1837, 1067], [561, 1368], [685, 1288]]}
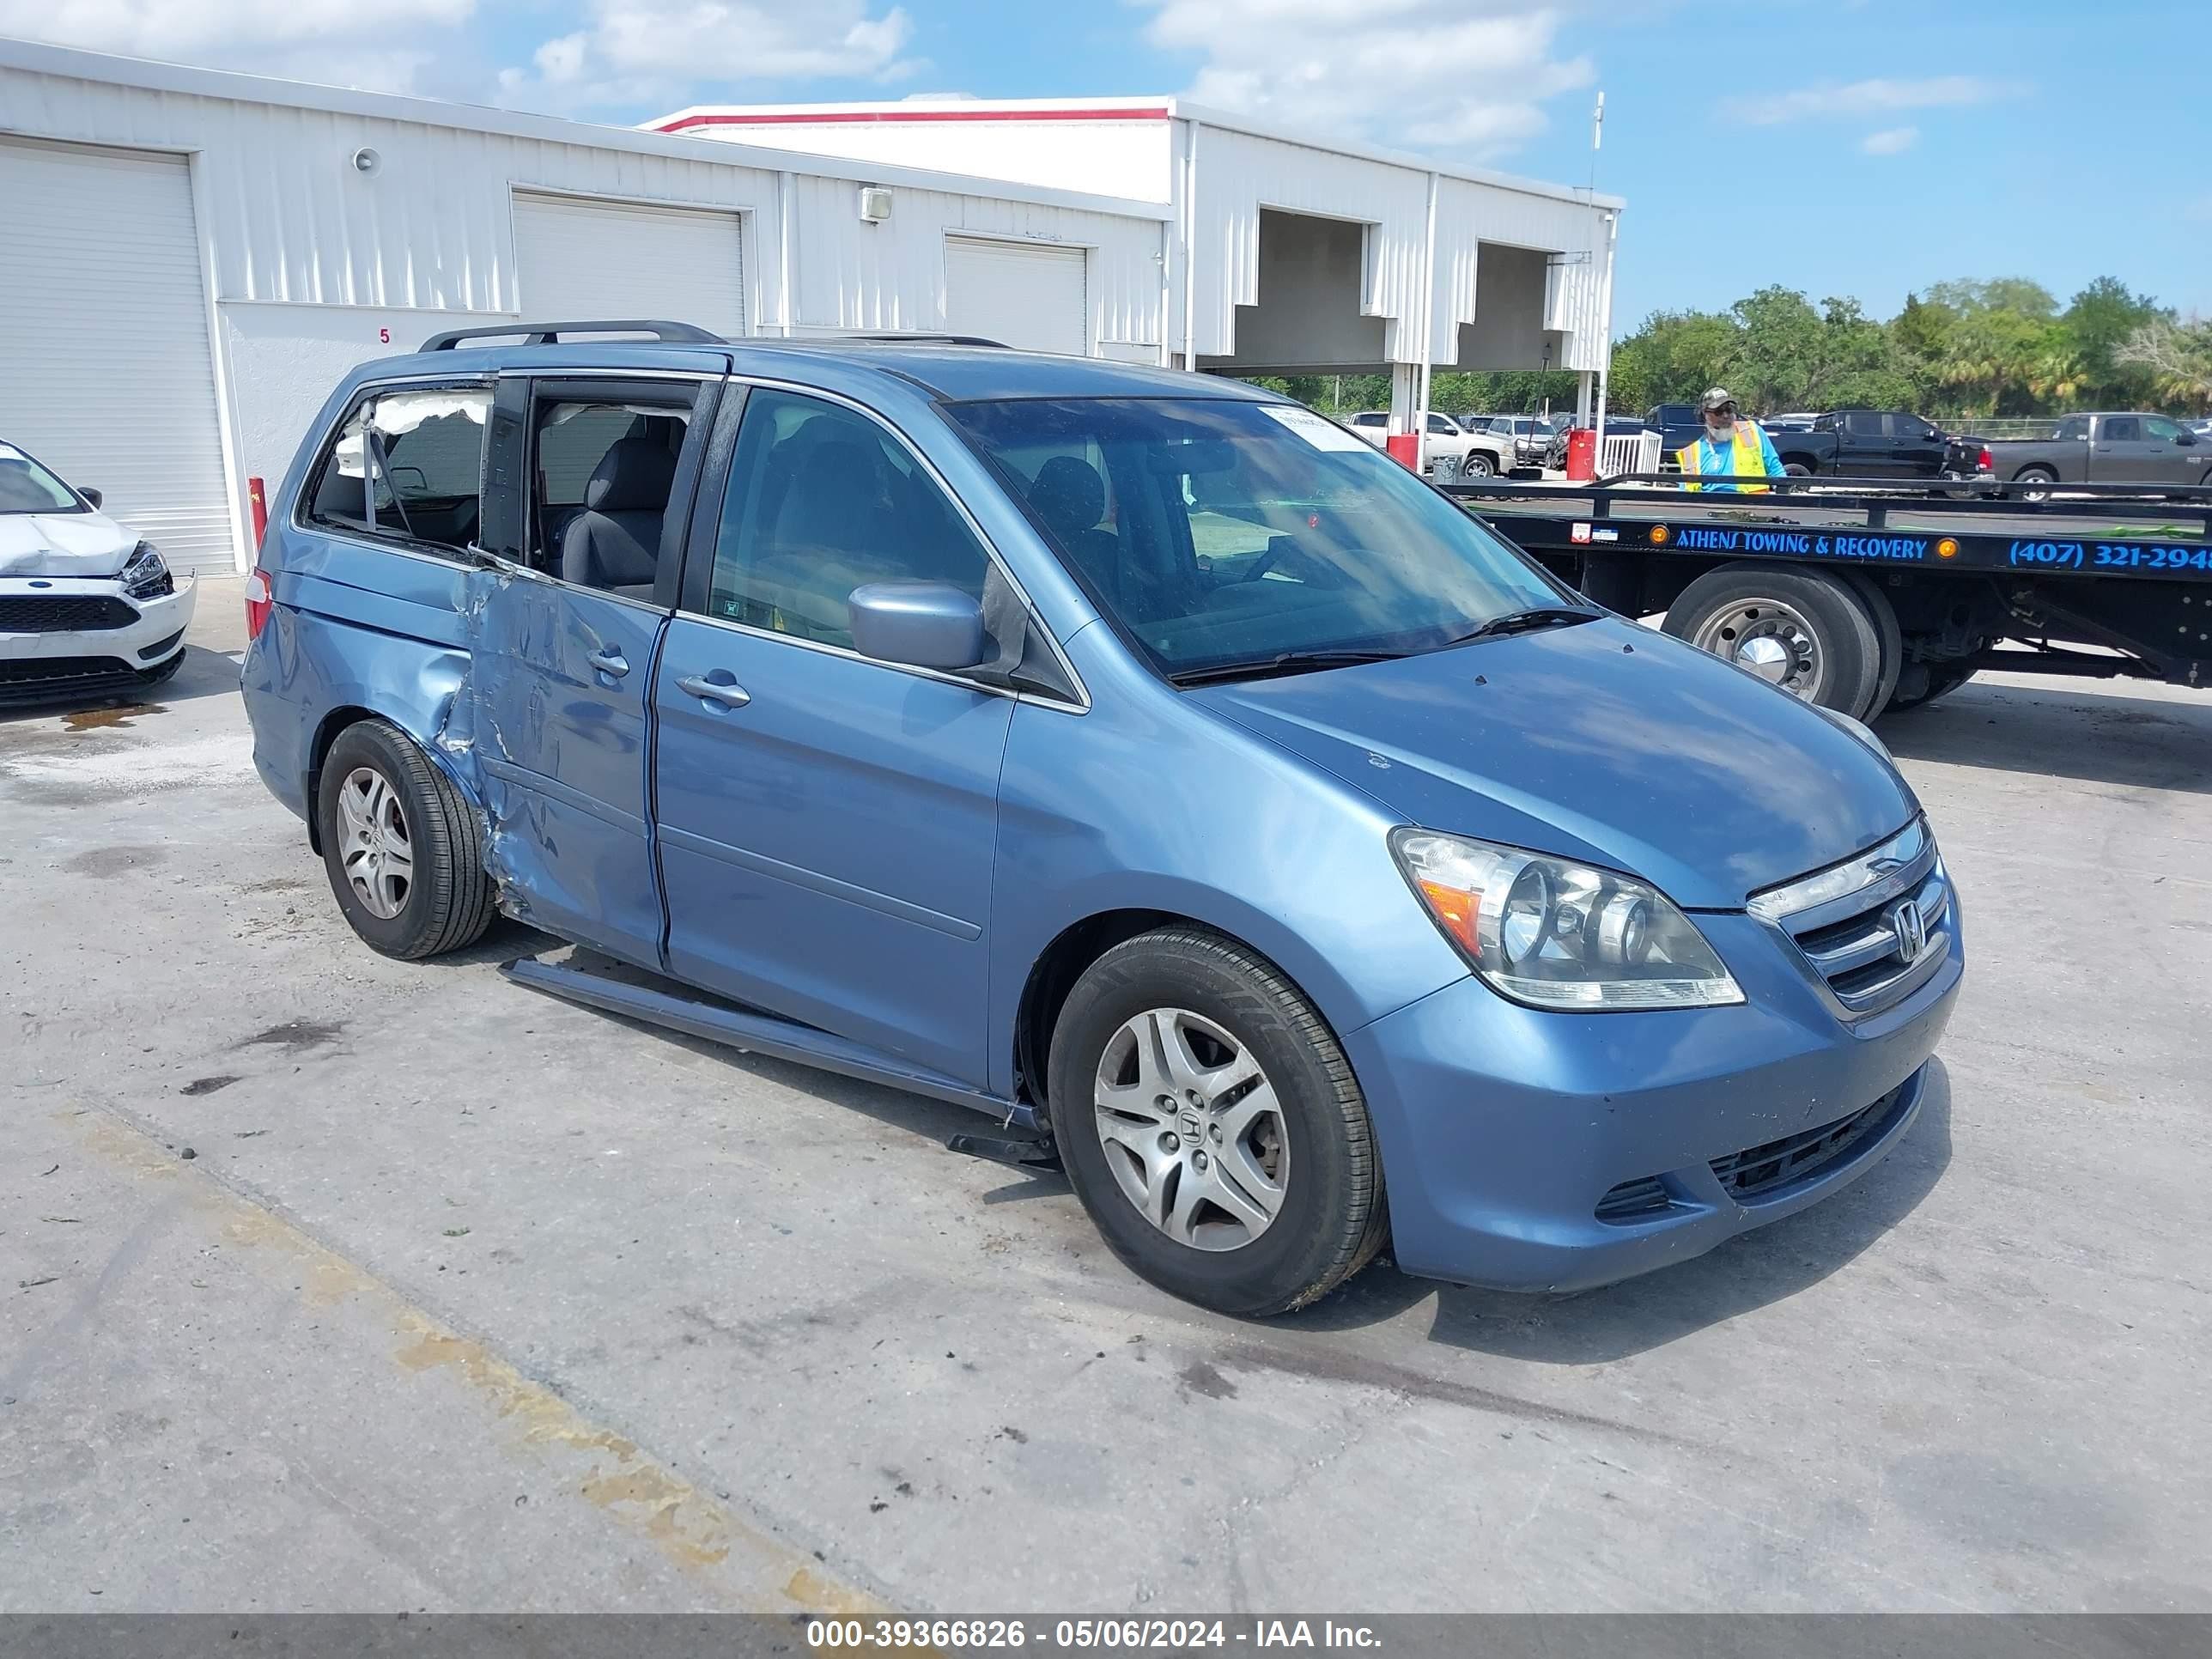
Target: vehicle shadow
{"points": [[205, 674], [1593, 1327], [2142, 742]]}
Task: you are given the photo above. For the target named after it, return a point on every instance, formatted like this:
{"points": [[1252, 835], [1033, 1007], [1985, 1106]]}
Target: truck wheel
{"points": [[2033, 483], [1212, 1128], [1797, 468], [1803, 631], [1925, 682], [403, 848], [1883, 615], [1477, 464]]}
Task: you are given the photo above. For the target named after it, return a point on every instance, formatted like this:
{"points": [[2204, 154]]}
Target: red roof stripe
{"points": [[842, 118]]}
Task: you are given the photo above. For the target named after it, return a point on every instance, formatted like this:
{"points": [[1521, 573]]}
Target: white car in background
{"points": [[86, 609], [1476, 453]]}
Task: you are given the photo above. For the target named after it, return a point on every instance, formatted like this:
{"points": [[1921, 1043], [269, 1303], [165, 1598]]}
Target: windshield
{"points": [[1214, 533], [28, 487]]}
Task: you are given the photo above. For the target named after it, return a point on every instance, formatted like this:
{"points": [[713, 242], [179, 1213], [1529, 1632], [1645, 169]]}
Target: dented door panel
{"points": [[558, 688]]}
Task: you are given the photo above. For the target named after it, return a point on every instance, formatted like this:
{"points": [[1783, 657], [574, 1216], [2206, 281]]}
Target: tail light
{"points": [[1986, 464], [257, 496], [258, 602]]}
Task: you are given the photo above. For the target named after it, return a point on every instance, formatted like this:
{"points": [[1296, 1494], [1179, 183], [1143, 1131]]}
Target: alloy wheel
{"points": [[1192, 1129], [377, 854]]}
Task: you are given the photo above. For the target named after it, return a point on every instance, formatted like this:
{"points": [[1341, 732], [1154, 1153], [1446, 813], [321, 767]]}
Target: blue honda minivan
{"points": [[1133, 755]]}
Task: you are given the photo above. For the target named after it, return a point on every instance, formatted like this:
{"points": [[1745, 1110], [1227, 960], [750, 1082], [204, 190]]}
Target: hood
{"points": [[1603, 741], [62, 545]]}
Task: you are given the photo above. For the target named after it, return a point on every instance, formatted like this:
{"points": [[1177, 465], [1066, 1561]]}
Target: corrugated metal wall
{"points": [[293, 222], [1239, 174]]}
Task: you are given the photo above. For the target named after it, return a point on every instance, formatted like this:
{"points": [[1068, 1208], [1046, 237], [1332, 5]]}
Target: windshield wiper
{"points": [[1527, 621], [1286, 662]]}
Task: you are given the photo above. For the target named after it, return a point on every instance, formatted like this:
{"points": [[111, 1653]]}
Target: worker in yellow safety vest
{"points": [[1731, 447]]}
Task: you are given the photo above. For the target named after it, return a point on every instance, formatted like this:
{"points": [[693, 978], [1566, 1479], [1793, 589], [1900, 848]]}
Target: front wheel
{"points": [[1212, 1128], [1797, 470], [1477, 464]]}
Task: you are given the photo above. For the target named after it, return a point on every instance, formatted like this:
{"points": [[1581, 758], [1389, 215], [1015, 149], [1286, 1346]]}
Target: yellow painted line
{"points": [[746, 1569]]}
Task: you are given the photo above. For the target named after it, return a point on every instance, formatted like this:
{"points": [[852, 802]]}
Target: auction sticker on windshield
{"points": [[1314, 429]]}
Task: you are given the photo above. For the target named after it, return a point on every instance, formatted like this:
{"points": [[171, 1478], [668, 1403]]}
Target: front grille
{"points": [[1762, 1171], [62, 613], [1863, 947], [1634, 1201], [66, 677]]}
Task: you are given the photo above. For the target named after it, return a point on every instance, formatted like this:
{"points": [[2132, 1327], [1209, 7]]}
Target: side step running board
{"points": [[754, 1033]]}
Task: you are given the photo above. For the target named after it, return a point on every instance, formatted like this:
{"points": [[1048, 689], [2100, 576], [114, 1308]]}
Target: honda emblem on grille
{"points": [[1911, 930]]}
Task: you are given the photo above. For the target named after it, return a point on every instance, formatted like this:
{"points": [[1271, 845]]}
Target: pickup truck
{"points": [[1477, 455], [1853, 443], [2133, 448]]}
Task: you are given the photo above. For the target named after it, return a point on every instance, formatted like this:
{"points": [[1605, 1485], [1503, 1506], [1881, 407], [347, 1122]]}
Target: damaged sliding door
{"points": [[587, 481]]}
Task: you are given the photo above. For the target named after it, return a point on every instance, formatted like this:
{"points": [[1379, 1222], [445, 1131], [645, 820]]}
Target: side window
{"points": [[1438, 424], [2158, 429], [1863, 424], [602, 467], [407, 465], [822, 501], [2121, 429]]}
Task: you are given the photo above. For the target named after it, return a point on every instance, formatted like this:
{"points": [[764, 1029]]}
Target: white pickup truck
{"points": [[1479, 455]]}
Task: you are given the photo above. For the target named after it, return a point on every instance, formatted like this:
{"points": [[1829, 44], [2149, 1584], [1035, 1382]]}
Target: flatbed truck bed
{"points": [[1864, 594]]}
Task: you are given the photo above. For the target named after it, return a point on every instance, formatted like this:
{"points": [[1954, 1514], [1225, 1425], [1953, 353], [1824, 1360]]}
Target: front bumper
{"points": [[1503, 1128], [47, 650]]}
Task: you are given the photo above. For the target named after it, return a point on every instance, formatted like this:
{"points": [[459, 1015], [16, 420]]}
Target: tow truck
{"points": [[1869, 594]]}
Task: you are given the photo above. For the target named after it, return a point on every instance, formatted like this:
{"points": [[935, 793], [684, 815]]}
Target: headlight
{"points": [[146, 577], [1558, 935]]}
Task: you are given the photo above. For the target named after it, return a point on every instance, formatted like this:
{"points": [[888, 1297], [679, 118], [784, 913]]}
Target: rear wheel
{"points": [[1923, 683], [403, 847], [1887, 635], [1802, 631], [2033, 484], [1212, 1128]]}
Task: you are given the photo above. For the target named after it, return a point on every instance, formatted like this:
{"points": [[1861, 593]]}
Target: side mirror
{"points": [[92, 496], [2187, 440], [918, 624]]}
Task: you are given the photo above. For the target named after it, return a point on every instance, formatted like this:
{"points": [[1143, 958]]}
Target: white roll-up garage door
{"points": [[105, 370], [579, 260], [1020, 294]]}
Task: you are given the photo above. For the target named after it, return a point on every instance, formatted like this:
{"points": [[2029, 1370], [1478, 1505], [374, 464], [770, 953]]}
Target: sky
{"points": [[1862, 147]]}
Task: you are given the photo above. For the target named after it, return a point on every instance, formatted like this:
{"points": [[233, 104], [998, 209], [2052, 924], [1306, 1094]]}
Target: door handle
{"points": [[728, 693], [612, 663]]}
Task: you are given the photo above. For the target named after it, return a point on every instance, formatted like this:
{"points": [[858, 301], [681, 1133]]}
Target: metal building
{"points": [[1283, 253], [191, 259]]}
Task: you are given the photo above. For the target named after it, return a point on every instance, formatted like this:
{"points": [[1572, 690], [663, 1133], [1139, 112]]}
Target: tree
{"points": [[2177, 357], [2098, 322]]}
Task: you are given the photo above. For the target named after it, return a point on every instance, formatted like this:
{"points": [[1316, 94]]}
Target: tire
{"points": [[1797, 470], [1329, 1216], [1883, 615], [445, 901], [2033, 483], [1477, 464], [1835, 654], [1933, 681]]}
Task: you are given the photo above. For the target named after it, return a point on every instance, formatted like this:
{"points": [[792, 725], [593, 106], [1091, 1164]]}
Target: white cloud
{"points": [[1876, 97], [270, 37], [666, 52], [1890, 141], [1433, 74]]}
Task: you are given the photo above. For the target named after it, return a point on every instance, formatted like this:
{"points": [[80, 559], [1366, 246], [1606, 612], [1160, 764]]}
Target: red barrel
{"points": [[1582, 453], [1404, 449]]}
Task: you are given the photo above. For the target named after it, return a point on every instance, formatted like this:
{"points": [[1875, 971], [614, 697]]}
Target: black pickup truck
{"points": [[1852, 443]]}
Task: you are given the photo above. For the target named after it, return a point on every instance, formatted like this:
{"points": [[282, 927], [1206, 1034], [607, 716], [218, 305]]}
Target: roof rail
{"points": [[538, 334], [920, 339]]}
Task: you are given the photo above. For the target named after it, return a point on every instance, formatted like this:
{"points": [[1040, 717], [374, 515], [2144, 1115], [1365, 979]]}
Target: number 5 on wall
{"points": [[384, 336]]}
